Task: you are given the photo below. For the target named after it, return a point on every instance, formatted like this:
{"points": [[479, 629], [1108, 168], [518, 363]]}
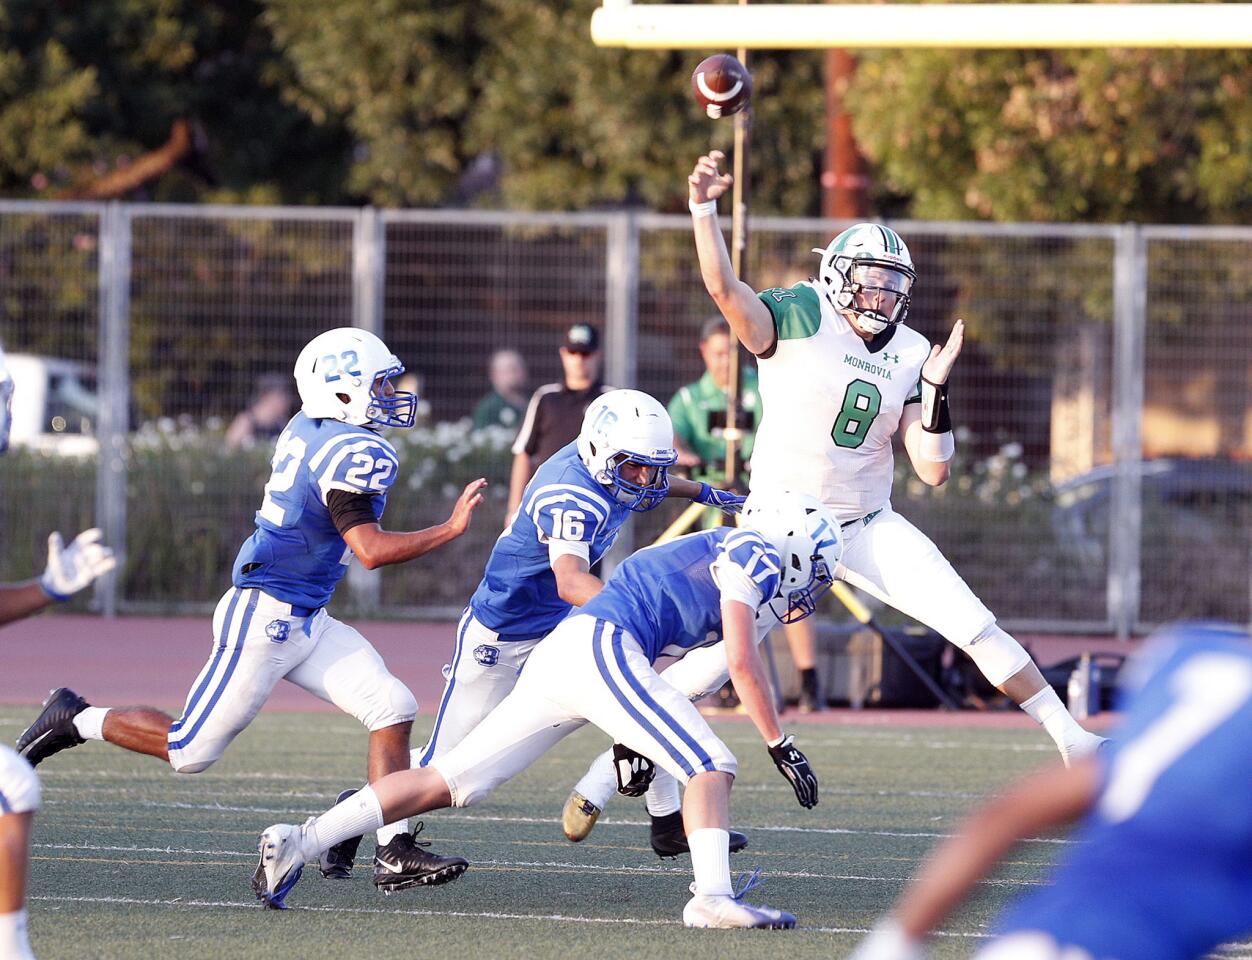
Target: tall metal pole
{"points": [[738, 261]]}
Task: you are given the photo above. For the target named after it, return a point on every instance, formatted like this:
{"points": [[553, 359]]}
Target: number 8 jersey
{"points": [[296, 554], [832, 403]]}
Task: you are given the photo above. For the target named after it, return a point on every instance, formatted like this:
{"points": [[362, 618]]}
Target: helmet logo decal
{"points": [[336, 366]]}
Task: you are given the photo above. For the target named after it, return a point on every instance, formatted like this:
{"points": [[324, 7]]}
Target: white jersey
{"points": [[831, 403]]}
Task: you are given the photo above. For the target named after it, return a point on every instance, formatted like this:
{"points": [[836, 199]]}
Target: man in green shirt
{"points": [[699, 410], [506, 403]]}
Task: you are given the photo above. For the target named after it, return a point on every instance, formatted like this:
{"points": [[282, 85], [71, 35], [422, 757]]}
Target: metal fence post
{"points": [[621, 329], [1126, 507], [369, 267], [114, 385]]}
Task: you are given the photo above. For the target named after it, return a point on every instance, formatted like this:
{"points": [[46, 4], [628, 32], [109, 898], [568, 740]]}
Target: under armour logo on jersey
{"points": [[278, 630], [487, 655], [890, 358]]}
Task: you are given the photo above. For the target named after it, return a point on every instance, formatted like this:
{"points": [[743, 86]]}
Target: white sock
{"points": [[385, 835], [599, 782], [13, 941], [662, 797], [710, 861], [357, 815], [1046, 709], [90, 723]]}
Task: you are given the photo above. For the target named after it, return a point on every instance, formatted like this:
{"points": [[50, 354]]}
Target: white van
{"points": [[54, 404]]}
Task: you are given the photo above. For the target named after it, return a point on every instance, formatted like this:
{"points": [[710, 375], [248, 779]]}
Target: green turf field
{"points": [[131, 860]]}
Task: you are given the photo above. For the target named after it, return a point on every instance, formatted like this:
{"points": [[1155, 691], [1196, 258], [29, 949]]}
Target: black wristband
{"points": [[935, 415]]}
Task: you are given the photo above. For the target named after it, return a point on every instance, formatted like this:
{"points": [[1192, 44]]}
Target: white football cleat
{"points": [[725, 912], [280, 865], [578, 817]]}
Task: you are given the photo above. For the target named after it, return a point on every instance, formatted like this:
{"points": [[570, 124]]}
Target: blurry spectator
{"points": [[699, 410], [265, 416], [414, 383], [505, 404], [555, 412]]}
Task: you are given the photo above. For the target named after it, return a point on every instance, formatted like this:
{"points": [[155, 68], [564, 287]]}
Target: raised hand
{"points": [[705, 182], [72, 568], [939, 364]]}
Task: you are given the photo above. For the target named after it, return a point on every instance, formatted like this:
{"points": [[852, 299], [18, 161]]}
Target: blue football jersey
{"points": [[665, 596], [1163, 866], [296, 554], [517, 596]]}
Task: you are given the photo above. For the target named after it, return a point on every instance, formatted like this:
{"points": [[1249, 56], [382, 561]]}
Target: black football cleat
{"points": [[53, 730], [336, 863], [669, 839], [404, 862]]}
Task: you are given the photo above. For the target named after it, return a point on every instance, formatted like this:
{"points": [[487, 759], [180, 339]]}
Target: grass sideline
{"points": [[133, 861]]}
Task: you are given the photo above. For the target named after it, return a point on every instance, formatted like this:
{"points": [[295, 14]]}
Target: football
{"points": [[722, 85]]}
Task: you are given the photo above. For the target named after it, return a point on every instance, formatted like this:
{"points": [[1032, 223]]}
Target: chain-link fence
{"points": [[1102, 483]]}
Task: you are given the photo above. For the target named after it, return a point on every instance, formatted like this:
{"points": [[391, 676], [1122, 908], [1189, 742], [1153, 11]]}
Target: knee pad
{"points": [[390, 703], [996, 654]]}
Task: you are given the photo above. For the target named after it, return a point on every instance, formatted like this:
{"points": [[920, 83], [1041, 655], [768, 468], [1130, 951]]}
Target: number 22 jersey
{"points": [[296, 553]]}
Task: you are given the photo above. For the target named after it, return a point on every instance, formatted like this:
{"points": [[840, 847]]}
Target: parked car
{"points": [[54, 404]]}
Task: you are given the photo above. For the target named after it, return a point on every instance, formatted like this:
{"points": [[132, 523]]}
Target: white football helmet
{"points": [[343, 374], [628, 427], [6, 404], [868, 275], [806, 535]]}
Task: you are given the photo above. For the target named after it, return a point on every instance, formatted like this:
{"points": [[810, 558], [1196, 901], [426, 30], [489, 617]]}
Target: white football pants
{"points": [[19, 787], [586, 670], [257, 642]]}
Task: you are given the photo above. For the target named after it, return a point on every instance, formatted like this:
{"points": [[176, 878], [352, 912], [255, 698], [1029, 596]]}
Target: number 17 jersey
{"points": [[832, 403]]}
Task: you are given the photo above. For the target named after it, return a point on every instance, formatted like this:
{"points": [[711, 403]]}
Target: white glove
{"points": [[72, 568], [887, 941]]}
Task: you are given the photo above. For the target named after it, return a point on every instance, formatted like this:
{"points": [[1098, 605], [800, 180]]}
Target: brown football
{"points": [[722, 85]]}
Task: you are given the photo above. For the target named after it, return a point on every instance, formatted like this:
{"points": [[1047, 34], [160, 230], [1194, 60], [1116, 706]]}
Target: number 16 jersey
{"points": [[832, 403]]}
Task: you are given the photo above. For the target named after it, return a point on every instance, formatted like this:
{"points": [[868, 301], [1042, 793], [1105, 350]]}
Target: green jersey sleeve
{"points": [[796, 311], [679, 410]]}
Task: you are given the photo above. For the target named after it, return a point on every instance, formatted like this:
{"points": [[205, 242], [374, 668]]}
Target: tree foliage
{"points": [[1089, 135]]}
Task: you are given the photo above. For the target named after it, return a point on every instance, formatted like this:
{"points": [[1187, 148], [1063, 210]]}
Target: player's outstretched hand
{"points": [[724, 500], [705, 183], [72, 568], [470, 498], [939, 364], [794, 765]]}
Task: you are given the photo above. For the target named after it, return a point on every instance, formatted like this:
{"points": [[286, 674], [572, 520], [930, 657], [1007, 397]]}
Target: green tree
{"points": [[1089, 135], [89, 88]]}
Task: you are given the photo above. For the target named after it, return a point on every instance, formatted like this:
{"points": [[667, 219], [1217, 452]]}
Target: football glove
{"points": [[72, 568], [634, 771], [794, 765], [724, 500]]}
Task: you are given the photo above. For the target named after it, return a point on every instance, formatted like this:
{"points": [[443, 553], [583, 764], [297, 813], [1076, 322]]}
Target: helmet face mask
{"points": [[345, 374], [624, 429], [806, 535], [868, 275]]}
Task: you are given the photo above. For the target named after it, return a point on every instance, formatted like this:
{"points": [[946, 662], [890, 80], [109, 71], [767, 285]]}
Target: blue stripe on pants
{"points": [[638, 717], [5, 806], [194, 700], [230, 669], [683, 734], [447, 693]]}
